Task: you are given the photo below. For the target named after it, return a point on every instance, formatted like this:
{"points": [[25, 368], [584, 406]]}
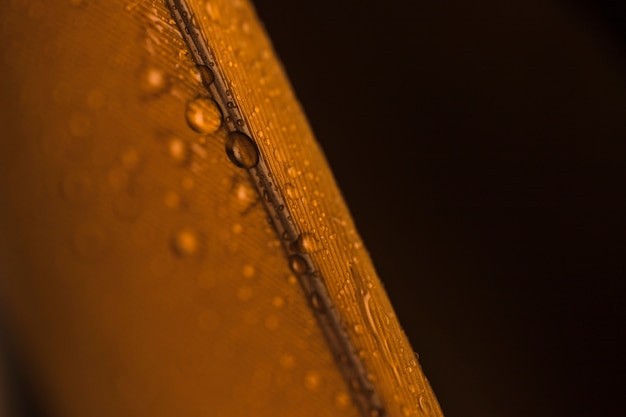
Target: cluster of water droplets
{"points": [[242, 150]]}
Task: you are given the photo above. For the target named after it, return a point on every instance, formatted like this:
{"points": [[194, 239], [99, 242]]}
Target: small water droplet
{"points": [[248, 271], [178, 150], [406, 410], [316, 302], [152, 81], [298, 264], [291, 191], [244, 192], [342, 400], [292, 172], [377, 412], [203, 115], [185, 242], [187, 182], [172, 200], [358, 329], [241, 150], [130, 159], [424, 405], [312, 380], [278, 302], [287, 361]]}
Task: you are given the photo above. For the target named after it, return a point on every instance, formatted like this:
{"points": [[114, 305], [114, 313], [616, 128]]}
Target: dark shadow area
{"points": [[481, 148], [18, 397]]}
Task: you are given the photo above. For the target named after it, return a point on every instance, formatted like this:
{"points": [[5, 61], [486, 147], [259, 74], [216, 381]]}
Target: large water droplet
{"points": [[241, 150], [186, 242], [298, 264], [203, 115]]}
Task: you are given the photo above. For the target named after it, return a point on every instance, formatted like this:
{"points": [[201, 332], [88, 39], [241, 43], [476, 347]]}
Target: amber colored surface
{"points": [[139, 273]]}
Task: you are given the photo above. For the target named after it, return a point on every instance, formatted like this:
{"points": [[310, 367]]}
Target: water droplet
{"points": [[406, 410], [377, 412], [206, 75], [278, 302], [203, 115], [185, 242], [424, 405], [241, 150], [358, 329], [130, 159], [245, 193], [248, 271], [342, 400], [187, 182], [312, 380], [244, 293], [298, 264], [292, 172], [316, 302], [287, 361], [172, 200], [291, 191], [152, 81], [237, 228], [178, 150], [307, 243]]}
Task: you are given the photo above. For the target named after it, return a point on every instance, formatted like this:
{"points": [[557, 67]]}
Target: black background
{"points": [[481, 148]]}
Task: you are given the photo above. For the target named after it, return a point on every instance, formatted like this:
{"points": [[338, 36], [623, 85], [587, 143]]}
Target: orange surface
{"points": [[139, 272]]}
